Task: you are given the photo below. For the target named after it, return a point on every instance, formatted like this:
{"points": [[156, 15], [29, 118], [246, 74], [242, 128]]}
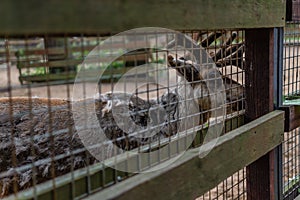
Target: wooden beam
{"points": [[292, 10], [191, 176], [259, 77], [292, 117], [289, 10], [112, 16]]}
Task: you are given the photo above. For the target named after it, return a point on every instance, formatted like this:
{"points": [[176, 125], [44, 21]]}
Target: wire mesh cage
{"points": [[290, 146], [234, 187], [291, 82], [291, 164], [227, 51], [138, 93]]}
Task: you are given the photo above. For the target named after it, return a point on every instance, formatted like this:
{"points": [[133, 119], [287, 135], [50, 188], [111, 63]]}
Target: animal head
{"points": [[185, 68]]}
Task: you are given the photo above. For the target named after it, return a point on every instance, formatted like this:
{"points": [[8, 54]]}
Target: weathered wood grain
{"points": [[191, 176], [292, 117], [106, 16], [259, 91]]}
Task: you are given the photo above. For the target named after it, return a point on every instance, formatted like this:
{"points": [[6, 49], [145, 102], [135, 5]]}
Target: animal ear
{"points": [[170, 57], [171, 61]]}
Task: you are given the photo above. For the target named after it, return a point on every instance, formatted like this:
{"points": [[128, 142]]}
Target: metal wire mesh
{"points": [[231, 61], [290, 150], [291, 164], [291, 65], [291, 56], [41, 148], [234, 187]]}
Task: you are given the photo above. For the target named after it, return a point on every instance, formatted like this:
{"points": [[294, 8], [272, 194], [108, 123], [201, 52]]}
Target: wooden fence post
{"points": [[259, 76]]}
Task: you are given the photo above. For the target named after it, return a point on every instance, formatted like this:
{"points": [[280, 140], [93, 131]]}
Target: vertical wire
{"points": [[11, 118], [297, 62], [147, 92], [50, 123], [289, 65], [293, 61], [70, 132], [125, 89], [231, 78], [243, 67], [194, 124], [84, 85], [98, 41], [30, 107], [238, 183]]}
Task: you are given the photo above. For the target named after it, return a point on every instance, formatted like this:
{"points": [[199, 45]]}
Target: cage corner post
{"points": [[261, 65]]}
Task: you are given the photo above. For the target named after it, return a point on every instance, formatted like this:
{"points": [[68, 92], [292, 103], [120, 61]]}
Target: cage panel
{"points": [[290, 150], [41, 148]]}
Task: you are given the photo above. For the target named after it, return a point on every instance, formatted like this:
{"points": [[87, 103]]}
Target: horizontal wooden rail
{"points": [[190, 176], [292, 117], [111, 16]]}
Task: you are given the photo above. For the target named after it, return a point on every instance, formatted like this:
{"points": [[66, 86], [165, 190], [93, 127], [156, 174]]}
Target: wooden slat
{"points": [[292, 117], [191, 176], [111, 16], [259, 92], [292, 10]]}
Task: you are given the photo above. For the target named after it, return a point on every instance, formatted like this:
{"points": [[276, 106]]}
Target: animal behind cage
{"points": [[290, 146], [148, 92]]}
